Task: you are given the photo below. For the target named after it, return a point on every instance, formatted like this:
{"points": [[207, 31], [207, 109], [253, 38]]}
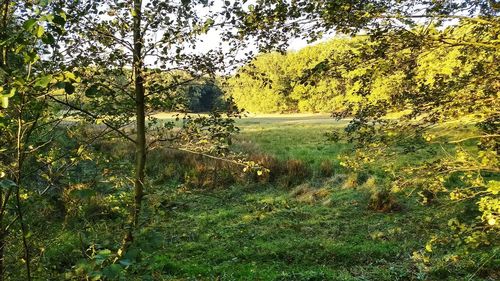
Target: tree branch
{"points": [[86, 112]]}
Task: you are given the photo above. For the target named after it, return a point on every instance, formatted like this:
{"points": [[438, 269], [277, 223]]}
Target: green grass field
{"points": [[268, 232], [320, 228], [300, 137]]}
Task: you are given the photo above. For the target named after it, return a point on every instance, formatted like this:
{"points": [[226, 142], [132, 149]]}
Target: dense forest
{"points": [[323, 77], [127, 151]]}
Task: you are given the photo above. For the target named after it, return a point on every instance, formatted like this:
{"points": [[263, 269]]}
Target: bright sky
{"points": [[212, 40]]}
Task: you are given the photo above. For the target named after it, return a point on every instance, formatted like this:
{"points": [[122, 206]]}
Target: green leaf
{"points": [[104, 253], [5, 102], [112, 271], [39, 31], [5, 98], [10, 94], [69, 88], [69, 75], [44, 81], [30, 57], [58, 19], [28, 25], [48, 39], [62, 14], [102, 256], [92, 91], [125, 262], [7, 184]]}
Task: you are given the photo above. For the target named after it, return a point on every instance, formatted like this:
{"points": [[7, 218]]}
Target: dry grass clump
{"points": [[382, 200], [284, 173], [194, 171], [351, 181], [326, 168], [335, 181], [273, 166], [306, 194], [370, 183], [295, 172], [210, 174]]}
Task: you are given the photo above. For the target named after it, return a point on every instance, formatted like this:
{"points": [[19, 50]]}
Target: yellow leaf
{"points": [[428, 248], [5, 102]]}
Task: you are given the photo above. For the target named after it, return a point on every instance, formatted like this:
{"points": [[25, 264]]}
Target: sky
{"points": [[213, 41]]}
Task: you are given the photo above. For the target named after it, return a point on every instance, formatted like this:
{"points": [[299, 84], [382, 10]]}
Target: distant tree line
{"points": [[329, 76], [190, 94]]}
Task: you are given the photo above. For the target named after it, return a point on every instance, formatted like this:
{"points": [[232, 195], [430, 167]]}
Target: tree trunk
{"points": [[140, 146], [3, 58], [140, 115], [2, 245], [5, 18]]}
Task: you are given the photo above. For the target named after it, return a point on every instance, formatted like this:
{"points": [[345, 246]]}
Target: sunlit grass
{"points": [[273, 231]]}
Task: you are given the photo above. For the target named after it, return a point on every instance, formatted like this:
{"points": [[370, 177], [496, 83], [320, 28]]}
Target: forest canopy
{"points": [[326, 76]]}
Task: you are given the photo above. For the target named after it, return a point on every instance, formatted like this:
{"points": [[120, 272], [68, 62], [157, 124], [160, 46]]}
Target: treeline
{"points": [[190, 94], [169, 91], [328, 76], [271, 83]]}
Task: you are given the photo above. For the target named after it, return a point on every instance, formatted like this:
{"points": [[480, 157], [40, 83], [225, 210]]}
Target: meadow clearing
{"points": [[307, 221]]}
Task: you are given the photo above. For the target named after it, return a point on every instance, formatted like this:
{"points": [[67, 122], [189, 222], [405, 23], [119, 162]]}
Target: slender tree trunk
{"points": [[3, 61], [4, 198], [140, 146], [5, 18], [20, 214], [2, 245], [140, 115]]}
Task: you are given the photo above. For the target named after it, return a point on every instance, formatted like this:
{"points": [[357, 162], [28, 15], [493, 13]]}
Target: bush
{"points": [[269, 162], [64, 252]]}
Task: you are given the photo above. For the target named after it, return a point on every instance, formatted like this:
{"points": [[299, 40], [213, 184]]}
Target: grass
{"points": [[322, 230], [301, 137], [266, 234]]}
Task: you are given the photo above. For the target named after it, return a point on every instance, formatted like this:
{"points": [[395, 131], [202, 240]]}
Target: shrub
{"points": [[269, 162], [210, 174], [64, 252]]}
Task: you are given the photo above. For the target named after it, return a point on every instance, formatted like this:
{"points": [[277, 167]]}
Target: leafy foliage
{"points": [[81, 83]]}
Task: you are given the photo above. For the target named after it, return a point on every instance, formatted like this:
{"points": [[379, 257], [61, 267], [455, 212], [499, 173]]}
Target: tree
{"points": [[92, 66], [122, 51], [279, 82], [25, 119]]}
